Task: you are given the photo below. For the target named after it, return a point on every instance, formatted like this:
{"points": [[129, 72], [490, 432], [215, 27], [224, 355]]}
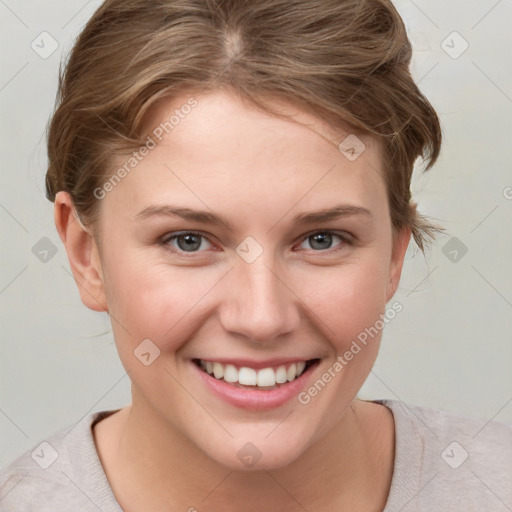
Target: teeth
{"points": [[281, 376], [218, 370], [247, 376], [266, 377], [230, 373]]}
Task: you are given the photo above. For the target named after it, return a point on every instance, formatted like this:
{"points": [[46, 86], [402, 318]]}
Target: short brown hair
{"points": [[345, 60]]}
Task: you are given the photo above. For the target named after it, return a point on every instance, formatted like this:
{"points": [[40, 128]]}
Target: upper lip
{"points": [[256, 364]]}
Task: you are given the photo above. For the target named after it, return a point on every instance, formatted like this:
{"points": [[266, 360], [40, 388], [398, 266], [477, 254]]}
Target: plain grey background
{"points": [[451, 346]]}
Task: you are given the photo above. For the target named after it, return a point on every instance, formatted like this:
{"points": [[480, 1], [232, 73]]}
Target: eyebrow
{"points": [[206, 217]]}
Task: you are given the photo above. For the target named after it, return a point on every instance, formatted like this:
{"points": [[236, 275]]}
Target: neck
{"points": [[151, 465]]}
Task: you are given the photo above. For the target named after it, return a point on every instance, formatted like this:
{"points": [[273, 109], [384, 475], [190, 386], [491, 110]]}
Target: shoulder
{"points": [[481, 435], [62, 472], [451, 460]]}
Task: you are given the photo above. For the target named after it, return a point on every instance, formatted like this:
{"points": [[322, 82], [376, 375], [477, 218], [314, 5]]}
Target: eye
{"points": [[186, 241], [322, 240], [191, 241]]}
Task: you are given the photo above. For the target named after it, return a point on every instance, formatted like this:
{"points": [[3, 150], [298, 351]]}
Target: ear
{"points": [[82, 253], [401, 242]]}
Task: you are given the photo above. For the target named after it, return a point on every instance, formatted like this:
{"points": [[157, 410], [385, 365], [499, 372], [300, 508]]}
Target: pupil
{"points": [[323, 238], [190, 243]]}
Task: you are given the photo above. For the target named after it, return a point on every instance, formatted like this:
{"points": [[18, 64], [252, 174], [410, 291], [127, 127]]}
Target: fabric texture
{"points": [[443, 462]]}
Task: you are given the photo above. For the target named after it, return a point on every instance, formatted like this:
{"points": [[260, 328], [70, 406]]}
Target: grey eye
{"points": [[186, 242], [323, 240]]}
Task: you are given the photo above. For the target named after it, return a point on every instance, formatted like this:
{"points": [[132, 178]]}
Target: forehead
{"points": [[217, 148], [221, 113]]}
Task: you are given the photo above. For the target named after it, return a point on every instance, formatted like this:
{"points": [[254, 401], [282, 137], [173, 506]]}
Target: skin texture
{"points": [[176, 446]]}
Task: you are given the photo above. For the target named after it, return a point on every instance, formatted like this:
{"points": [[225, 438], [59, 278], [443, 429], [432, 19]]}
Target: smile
{"points": [[262, 378]]}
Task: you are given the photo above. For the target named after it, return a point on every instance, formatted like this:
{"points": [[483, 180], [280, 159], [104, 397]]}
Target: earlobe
{"points": [[82, 253], [397, 259]]}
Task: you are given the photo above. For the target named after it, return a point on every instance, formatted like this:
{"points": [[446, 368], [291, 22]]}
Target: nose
{"points": [[259, 302]]}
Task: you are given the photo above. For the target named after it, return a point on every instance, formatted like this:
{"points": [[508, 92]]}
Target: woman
{"points": [[232, 185]]}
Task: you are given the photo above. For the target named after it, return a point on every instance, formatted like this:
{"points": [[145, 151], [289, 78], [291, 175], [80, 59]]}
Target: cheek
{"points": [[168, 304], [345, 300], [157, 301]]}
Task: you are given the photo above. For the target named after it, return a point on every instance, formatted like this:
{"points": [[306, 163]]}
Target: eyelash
{"points": [[164, 241]]}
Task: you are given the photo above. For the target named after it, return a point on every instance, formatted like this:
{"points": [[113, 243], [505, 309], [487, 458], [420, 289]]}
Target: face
{"points": [[256, 281]]}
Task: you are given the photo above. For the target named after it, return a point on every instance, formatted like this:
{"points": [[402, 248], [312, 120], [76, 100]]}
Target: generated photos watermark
{"points": [[355, 348], [151, 143]]}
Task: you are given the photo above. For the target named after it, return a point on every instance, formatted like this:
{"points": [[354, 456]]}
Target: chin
{"points": [[258, 454]]}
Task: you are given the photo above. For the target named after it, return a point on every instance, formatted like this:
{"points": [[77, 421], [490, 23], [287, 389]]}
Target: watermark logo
{"points": [[44, 455], [352, 147], [454, 455], [249, 454], [249, 250], [454, 249], [44, 250], [454, 45], [146, 352], [44, 45]]}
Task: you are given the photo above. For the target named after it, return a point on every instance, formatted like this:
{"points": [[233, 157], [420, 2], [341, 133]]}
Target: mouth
{"points": [[246, 377]]}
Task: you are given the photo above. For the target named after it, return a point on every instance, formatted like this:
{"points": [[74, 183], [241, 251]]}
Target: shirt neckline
{"points": [[406, 466]]}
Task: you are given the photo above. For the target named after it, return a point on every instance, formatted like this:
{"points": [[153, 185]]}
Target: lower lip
{"points": [[255, 399]]}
